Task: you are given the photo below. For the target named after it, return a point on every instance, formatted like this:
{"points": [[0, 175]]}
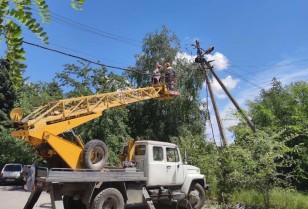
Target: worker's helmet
{"points": [[167, 64]]}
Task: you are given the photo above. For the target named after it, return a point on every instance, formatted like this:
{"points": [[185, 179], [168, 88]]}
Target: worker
{"points": [[169, 75], [157, 74]]}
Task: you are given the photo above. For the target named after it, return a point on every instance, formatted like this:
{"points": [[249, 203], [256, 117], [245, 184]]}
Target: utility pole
{"points": [[207, 66], [251, 125], [200, 59]]}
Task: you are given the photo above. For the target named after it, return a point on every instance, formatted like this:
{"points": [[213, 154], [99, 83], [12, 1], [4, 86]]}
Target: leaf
{"points": [[42, 35]]}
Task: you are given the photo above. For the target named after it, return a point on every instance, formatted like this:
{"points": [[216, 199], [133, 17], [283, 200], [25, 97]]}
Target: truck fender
{"points": [[190, 178]]}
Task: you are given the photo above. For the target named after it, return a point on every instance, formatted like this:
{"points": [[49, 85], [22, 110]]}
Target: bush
{"points": [[279, 199]]}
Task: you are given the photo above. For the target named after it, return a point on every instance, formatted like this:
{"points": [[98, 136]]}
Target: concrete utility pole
{"points": [[205, 65], [251, 125], [200, 59]]}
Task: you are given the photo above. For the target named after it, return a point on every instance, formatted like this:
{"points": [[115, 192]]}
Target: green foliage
{"points": [[284, 111], [83, 80], [13, 14], [77, 4], [277, 154], [252, 162], [11, 149], [280, 198], [158, 47], [112, 126], [7, 92], [160, 120], [14, 150], [30, 96]]}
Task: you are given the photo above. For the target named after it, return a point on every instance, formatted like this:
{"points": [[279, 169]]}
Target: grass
{"points": [[279, 199]]}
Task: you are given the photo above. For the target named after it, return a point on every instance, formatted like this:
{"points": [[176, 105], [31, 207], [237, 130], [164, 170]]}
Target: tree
{"points": [[14, 150], [281, 112], [157, 119], [7, 92], [32, 95], [82, 80], [255, 164], [158, 47], [27, 97], [13, 15]]}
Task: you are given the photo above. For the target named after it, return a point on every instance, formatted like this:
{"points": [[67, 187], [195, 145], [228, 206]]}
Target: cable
{"points": [[93, 32], [84, 59], [252, 66], [273, 66], [76, 25], [243, 79], [73, 50], [109, 34], [239, 67]]}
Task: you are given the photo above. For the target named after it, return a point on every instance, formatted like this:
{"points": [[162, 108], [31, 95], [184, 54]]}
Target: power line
{"points": [[92, 28], [73, 50], [84, 59], [282, 65], [238, 76], [82, 27], [271, 67]]}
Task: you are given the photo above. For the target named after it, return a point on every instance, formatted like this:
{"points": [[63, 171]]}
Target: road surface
{"points": [[15, 197]]}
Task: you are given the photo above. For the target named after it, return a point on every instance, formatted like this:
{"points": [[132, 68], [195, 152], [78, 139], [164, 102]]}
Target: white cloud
{"points": [[286, 78], [220, 61], [229, 82], [185, 56]]}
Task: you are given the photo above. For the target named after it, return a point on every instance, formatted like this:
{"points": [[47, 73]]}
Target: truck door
{"points": [[172, 160]]}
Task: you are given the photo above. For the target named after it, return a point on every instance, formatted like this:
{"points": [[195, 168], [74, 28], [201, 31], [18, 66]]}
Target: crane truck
{"points": [[77, 176]]}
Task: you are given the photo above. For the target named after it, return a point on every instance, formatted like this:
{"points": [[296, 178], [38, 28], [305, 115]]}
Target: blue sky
{"points": [[257, 39]]}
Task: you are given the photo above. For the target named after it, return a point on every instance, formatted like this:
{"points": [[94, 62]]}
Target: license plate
{"points": [[10, 179]]}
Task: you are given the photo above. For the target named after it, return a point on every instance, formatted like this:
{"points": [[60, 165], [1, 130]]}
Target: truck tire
{"points": [[108, 198], [70, 203], [95, 154], [196, 196]]}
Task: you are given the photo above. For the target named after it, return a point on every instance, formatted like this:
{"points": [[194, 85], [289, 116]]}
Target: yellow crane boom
{"points": [[44, 125]]}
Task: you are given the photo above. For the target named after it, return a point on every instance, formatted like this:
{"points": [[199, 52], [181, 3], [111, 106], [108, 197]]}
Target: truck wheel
{"points": [[110, 198], [70, 203], [196, 196], [95, 154]]}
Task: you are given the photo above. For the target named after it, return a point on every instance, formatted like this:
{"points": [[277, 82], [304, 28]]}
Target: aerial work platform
{"points": [[42, 127]]}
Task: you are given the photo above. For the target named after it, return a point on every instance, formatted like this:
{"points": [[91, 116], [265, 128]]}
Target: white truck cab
{"points": [[165, 171]]}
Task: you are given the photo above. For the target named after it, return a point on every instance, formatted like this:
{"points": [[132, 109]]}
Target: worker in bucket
{"points": [[169, 74], [157, 74]]}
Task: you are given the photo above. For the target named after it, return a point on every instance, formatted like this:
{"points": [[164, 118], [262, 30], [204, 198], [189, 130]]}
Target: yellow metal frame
{"points": [[55, 118]]}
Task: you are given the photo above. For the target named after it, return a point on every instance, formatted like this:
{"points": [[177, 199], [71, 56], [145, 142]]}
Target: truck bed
{"points": [[87, 175]]}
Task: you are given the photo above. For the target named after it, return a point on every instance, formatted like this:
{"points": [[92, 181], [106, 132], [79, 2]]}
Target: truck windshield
{"points": [[12, 168]]}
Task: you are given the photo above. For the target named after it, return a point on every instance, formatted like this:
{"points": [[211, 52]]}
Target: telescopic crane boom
{"points": [[43, 127]]}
